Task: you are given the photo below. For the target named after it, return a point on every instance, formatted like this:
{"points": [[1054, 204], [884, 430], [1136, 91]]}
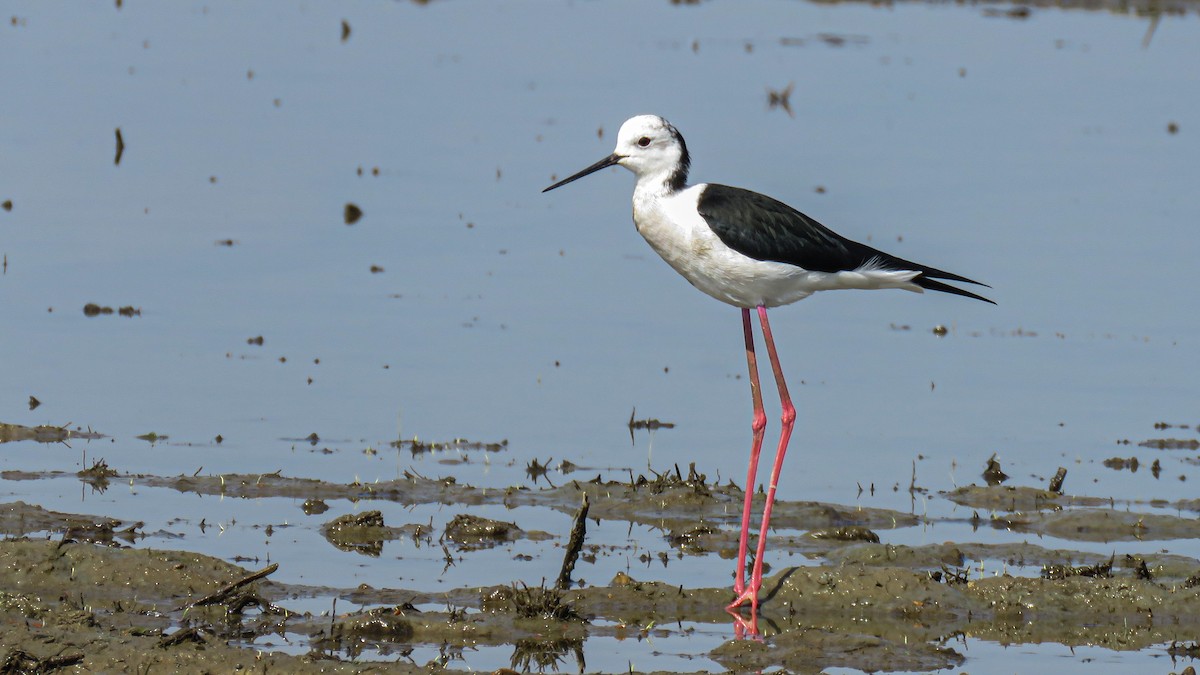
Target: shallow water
{"points": [[1033, 154]]}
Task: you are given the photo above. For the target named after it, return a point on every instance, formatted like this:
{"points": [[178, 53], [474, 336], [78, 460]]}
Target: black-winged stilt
{"points": [[752, 252]]}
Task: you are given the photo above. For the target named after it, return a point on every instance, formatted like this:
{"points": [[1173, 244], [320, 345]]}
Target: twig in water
{"points": [[574, 545]]}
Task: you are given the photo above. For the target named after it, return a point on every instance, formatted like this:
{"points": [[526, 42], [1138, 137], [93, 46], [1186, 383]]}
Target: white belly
{"points": [[675, 230]]}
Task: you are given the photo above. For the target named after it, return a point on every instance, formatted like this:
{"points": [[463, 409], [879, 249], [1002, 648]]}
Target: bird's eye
{"points": [[644, 141]]}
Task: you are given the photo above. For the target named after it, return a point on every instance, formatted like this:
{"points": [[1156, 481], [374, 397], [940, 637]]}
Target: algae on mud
{"points": [[871, 618]]}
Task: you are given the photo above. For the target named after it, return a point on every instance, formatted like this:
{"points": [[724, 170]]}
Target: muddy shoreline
{"points": [[81, 594]]}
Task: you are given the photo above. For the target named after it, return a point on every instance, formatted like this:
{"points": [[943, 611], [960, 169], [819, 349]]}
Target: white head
{"points": [[651, 148]]}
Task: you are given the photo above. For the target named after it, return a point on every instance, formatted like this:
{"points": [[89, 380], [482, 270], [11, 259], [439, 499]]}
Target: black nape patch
{"points": [[678, 179]]}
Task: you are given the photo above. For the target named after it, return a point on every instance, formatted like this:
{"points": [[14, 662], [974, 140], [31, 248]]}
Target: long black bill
{"points": [[604, 163]]}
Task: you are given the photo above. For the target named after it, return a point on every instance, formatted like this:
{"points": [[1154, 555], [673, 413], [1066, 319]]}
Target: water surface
{"points": [[1050, 156]]}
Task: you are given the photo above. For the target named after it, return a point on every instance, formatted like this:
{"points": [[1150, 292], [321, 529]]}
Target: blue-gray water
{"points": [[1032, 154]]}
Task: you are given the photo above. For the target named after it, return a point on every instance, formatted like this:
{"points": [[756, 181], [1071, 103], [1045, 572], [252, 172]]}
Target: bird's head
{"points": [[648, 146]]}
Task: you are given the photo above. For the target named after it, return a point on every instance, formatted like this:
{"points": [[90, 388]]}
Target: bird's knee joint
{"points": [[760, 421]]}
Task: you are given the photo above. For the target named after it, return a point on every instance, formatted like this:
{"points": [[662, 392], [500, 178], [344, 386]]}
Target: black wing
{"points": [[763, 228]]}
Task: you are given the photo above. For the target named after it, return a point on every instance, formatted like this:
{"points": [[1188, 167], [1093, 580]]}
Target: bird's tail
{"points": [[925, 280]]}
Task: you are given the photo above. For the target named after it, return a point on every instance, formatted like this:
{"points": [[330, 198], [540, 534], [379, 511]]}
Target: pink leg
{"points": [[759, 426], [789, 420]]}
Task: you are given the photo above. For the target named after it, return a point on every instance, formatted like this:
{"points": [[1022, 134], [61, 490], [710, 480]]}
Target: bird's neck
{"points": [[660, 183]]}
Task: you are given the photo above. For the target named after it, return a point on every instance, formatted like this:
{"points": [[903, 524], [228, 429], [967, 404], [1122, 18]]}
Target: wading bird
{"points": [[753, 252]]}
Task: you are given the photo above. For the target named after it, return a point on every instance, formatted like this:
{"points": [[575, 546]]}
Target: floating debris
{"points": [[352, 213], [1171, 444], [473, 532], [1099, 570], [314, 507], [539, 602], [357, 532], [43, 433], [992, 473], [692, 539], [102, 531], [781, 98], [649, 424], [1138, 564], [697, 483], [1121, 463], [848, 533], [1191, 651], [34, 403], [100, 470], [1056, 482], [417, 446], [97, 476], [386, 624], [536, 470], [1019, 12], [92, 309], [120, 148]]}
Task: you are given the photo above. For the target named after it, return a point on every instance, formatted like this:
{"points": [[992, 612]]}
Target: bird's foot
{"points": [[748, 594]]}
